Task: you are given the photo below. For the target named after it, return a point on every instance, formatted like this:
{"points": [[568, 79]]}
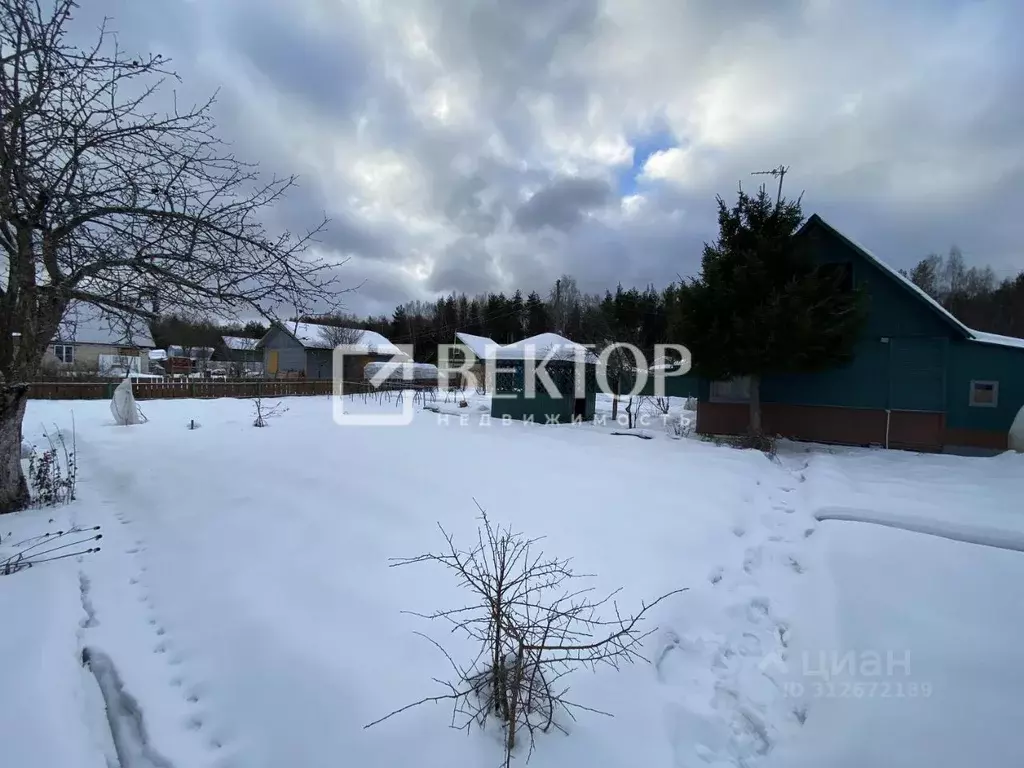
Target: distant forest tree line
{"points": [[642, 317], [972, 294]]}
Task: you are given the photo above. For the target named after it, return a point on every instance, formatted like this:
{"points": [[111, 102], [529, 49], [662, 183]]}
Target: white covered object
{"points": [[122, 405], [1016, 437]]}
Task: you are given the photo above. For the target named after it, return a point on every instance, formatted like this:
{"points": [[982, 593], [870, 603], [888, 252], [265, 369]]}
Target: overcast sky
{"points": [[474, 145]]}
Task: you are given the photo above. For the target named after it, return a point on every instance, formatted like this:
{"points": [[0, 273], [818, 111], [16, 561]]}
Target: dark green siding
{"points": [[900, 359], [895, 308], [859, 384], [541, 409], [510, 399], [973, 361], [917, 380], [674, 386]]}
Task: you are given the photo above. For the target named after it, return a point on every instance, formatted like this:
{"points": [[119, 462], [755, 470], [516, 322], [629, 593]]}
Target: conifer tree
{"points": [[761, 306]]}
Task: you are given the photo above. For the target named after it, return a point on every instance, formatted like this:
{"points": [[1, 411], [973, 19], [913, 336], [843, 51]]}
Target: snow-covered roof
{"points": [[908, 284], [241, 343], [995, 338], [401, 370], [481, 346], [318, 336], [84, 324], [545, 345], [158, 354]]}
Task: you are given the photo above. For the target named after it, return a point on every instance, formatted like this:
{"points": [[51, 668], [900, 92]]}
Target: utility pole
{"points": [[778, 173], [558, 304]]}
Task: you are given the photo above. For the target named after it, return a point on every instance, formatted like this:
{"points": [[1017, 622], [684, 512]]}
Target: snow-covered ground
{"points": [[242, 611]]}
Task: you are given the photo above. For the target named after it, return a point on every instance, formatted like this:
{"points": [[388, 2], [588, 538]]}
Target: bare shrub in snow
{"points": [[264, 410], [532, 625], [52, 472], [635, 407], [682, 426], [48, 547], [661, 405]]}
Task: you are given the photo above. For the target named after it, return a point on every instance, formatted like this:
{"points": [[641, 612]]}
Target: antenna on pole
{"points": [[778, 173]]}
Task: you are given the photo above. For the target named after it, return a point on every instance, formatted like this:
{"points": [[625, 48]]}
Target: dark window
{"points": [[64, 352], [839, 275]]}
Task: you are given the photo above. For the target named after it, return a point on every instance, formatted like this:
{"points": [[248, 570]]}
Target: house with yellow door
{"points": [[306, 350]]}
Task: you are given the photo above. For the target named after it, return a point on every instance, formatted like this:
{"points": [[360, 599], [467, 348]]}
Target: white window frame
{"points": [[735, 390], [995, 393], [62, 357]]}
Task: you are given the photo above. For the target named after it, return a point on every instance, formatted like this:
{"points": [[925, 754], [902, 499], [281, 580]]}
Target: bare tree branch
{"points": [[109, 200], [532, 628]]}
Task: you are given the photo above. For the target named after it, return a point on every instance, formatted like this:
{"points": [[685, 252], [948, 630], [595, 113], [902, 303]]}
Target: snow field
{"points": [[242, 611]]}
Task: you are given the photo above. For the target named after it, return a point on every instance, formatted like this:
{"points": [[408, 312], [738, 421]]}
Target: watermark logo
{"points": [[349, 362], [867, 674], [534, 364], [516, 371]]}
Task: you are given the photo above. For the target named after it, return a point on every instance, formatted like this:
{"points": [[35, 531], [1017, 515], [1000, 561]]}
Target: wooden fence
{"points": [[241, 388]]}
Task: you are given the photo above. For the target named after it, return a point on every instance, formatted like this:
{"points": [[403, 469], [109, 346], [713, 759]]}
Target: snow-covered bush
{"points": [[681, 425], [533, 626], [123, 406]]}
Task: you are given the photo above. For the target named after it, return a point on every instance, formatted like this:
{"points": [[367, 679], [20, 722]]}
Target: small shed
{"points": [[547, 379], [306, 350]]}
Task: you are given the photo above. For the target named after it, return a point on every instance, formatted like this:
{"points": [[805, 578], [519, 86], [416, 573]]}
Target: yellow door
{"points": [[272, 361]]}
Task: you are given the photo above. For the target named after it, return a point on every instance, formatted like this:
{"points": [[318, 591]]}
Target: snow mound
{"points": [[1016, 437]]}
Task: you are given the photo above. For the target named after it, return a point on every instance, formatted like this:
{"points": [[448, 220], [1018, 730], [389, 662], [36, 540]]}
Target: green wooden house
{"points": [[920, 379], [521, 393]]}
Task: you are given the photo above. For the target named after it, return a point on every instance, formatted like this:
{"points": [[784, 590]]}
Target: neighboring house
{"points": [[307, 350], [920, 379], [90, 341], [239, 354], [514, 399]]}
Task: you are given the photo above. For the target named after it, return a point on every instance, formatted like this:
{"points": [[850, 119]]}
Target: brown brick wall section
{"points": [[978, 438], [823, 424]]}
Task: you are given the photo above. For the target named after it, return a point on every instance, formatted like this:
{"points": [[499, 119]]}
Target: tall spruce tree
{"points": [[537, 320], [761, 305]]}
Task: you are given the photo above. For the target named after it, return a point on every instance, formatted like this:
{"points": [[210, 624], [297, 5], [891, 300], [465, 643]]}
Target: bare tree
{"points": [[533, 626], [337, 336], [263, 411], [108, 200]]}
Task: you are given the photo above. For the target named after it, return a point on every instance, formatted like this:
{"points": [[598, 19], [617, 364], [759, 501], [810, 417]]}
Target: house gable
{"points": [[897, 306], [280, 346]]}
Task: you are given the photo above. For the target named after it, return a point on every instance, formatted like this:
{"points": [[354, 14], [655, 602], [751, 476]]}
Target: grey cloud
{"points": [[333, 71], [466, 266], [960, 117], [561, 205]]}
